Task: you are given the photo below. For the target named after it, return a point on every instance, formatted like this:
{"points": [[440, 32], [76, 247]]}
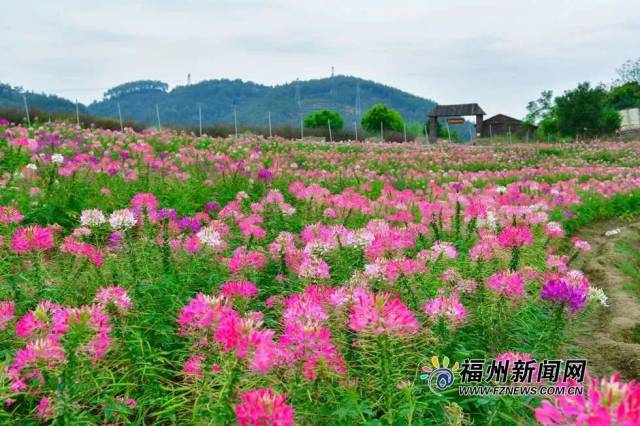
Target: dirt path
{"points": [[610, 338]]}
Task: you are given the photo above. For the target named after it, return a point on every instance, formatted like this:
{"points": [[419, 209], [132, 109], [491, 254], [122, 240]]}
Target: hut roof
{"points": [[456, 110], [501, 118]]}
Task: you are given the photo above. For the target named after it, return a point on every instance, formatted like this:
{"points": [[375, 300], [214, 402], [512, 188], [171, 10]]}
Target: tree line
{"points": [[587, 110]]}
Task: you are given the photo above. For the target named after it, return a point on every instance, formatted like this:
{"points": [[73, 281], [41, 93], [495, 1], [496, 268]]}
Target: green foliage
{"points": [[596, 207], [628, 72], [382, 114], [583, 111], [539, 109], [446, 132], [136, 87], [625, 96], [12, 98], [322, 118]]}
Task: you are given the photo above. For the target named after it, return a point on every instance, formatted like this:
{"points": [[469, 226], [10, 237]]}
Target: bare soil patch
{"points": [[611, 337]]}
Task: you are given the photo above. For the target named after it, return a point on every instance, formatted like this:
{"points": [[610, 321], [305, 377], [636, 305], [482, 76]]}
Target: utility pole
{"points": [[404, 130], [301, 128], [77, 114], [120, 117], [26, 108], [235, 121], [330, 135], [270, 134], [355, 127], [158, 116]]}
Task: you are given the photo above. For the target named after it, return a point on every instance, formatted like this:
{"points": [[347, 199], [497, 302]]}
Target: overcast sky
{"points": [[500, 54]]}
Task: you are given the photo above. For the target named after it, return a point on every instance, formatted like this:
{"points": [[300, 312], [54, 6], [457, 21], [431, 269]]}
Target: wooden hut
{"points": [[501, 125]]}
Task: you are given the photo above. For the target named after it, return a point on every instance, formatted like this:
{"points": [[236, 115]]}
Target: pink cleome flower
{"points": [[609, 401], [380, 313], [32, 238], [6, 313], [113, 295], [10, 215], [239, 288], [515, 236], [450, 308], [507, 284], [259, 407]]}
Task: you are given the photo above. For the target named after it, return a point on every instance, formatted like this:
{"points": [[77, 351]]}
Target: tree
{"points": [[625, 96], [537, 110], [322, 118], [629, 72], [380, 113], [136, 86], [585, 110]]}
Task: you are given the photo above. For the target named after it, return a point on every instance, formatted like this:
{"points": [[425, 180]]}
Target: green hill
{"points": [[252, 102], [12, 98]]}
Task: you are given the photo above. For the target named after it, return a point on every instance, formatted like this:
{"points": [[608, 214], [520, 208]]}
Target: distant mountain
{"points": [[218, 99], [12, 98], [252, 102]]}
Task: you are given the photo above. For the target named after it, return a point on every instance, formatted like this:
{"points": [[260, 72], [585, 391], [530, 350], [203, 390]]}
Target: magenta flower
{"points": [[250, 226], [554, 230], [244, 337], [46, 319], [40, 352], [609, 401], [447, 307], [6, 313], [239, 288], [261, 407], [32, 238], [573, 298], [10, 215], [581, 245], [45, 409], [113, 295], [380, 313], [202, 314], [515, 236], [507, 284], [78, 248], [244, 260], [143, 200], [193, 366]]}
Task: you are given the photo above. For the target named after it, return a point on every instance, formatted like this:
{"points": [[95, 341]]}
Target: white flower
{"points": [[490, 222], [92, 217], [612, 232], [501, 189], [373, 270], [209, 237], [122, 220], [32, 166], [598, 295], [57, 158]]}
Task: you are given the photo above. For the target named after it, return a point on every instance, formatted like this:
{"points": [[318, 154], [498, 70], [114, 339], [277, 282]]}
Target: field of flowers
{"points": [[163, 278]]}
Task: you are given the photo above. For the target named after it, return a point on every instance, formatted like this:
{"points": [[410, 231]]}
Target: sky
{"points": [[500, 54]]}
